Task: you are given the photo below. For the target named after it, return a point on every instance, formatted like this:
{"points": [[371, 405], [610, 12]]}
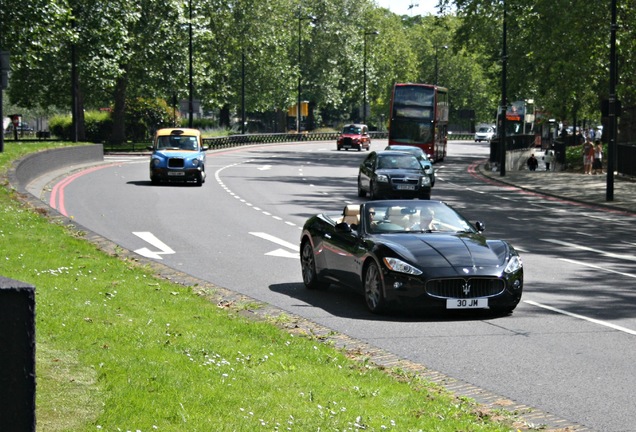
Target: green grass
{"points": [[120, 349]]}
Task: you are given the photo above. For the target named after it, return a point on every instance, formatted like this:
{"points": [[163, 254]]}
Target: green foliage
{"points": [[98, 125], [144, 116], [60, 126], [246, 54]]}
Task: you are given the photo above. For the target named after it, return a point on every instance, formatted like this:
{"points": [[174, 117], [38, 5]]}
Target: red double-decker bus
{"points": [[419, 117]]}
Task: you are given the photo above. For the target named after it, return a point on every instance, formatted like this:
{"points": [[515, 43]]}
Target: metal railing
{"points": [[239, 140]]}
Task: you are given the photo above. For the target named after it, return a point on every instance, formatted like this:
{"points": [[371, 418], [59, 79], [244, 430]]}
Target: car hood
{"points": [[400, 172], [350, 136], [464, 253]]}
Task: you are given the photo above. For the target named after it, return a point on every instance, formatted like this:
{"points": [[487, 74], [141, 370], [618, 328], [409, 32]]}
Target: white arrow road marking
{"points": [[279, 252], [150, 238], [283, 253]]}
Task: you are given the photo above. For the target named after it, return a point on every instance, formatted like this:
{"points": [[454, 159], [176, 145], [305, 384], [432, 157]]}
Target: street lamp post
{"points": [[504, 97], [364, 101], [300, 20], [190, 85], [436, 62], [612, 108]]}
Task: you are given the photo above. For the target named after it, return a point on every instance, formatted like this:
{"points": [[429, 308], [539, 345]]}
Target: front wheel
{"points": [[373, 289], [308, 267]]}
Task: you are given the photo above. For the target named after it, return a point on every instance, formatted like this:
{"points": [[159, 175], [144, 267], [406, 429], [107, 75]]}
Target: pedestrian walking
{"points": [[533, 163], [597, 164], [547, 158]]}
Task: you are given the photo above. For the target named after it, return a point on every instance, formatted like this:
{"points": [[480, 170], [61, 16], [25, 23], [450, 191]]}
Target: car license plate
{"points": [[475, 303], [176, 173], [405, 187]]}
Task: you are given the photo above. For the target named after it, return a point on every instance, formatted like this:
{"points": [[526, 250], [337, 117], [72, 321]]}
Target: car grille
{"points": [[465, 288], [405, 180], [347, 141], [176, 163]]}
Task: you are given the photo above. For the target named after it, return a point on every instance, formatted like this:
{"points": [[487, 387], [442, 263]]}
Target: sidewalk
{"points": [[579, 187]]}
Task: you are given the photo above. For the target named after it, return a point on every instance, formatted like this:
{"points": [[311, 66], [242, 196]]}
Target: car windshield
{"points": [[351, 130], [428, 217], [416, 151], [398, 161], [484, 129], [180, 142]]}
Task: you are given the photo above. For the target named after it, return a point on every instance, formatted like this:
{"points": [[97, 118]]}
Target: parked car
{"points": [[178, 155], [354, 136], [393, 174], [484, 133], [23, 128], [421, 155], [411, 253]]}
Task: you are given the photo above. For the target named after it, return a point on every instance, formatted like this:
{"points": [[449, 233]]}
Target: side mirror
{"points": [[480, 226], [150, 148]]}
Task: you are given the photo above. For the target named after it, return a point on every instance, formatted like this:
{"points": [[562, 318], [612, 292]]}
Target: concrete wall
{"points": [[37, 164]]}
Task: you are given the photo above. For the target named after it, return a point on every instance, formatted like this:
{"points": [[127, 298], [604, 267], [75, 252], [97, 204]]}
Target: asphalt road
{"points": [[568, 348]]}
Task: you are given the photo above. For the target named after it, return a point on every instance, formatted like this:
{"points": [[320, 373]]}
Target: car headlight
{"points": [[156, 162], [400, 266], [425, 180], [382, 178], [195, 162], [514, 264]]}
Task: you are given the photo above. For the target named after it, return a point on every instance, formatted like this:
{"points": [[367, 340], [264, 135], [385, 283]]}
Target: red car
{"points": [[354, 136]]}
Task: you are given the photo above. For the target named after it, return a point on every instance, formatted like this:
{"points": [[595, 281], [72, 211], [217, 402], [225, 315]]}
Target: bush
{"points": [[60, 127], [203, 123], [98, 126], [145, 116]]}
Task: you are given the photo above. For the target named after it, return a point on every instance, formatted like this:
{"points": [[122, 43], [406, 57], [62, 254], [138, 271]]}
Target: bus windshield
{"points": [[411, 131]]}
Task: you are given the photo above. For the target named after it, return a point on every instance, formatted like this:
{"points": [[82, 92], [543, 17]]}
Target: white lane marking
{"points": [[265, 168], [589, 249], [154, 241], [582, 317], [217, 176], [598, 267]]}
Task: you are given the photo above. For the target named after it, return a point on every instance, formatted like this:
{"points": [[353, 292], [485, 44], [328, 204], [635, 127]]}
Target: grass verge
{"points": [[119, 349]]}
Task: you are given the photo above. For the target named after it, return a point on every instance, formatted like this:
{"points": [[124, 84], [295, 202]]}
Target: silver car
{"points": [[484, 133]]}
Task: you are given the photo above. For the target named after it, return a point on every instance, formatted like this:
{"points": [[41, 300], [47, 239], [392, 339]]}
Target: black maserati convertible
{"points": [[411, 253]]}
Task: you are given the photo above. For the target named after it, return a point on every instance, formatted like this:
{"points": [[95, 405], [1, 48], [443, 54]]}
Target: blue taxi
{"points": [[178, 155]]}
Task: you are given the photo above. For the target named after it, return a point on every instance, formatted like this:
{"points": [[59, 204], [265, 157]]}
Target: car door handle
{"points": [[328, 236]]}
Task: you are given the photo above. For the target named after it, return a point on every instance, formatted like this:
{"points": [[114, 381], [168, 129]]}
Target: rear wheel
{"points": [[308, 267], [373, 289]]}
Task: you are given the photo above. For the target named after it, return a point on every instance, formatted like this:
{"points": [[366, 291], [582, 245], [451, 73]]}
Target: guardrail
{"points": [[239, 140]]}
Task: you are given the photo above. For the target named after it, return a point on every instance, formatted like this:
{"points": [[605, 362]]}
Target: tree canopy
{"points": [[245, 54]]}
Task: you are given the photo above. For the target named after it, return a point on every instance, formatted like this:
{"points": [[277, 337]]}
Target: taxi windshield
{"points": [[177, 142]]}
